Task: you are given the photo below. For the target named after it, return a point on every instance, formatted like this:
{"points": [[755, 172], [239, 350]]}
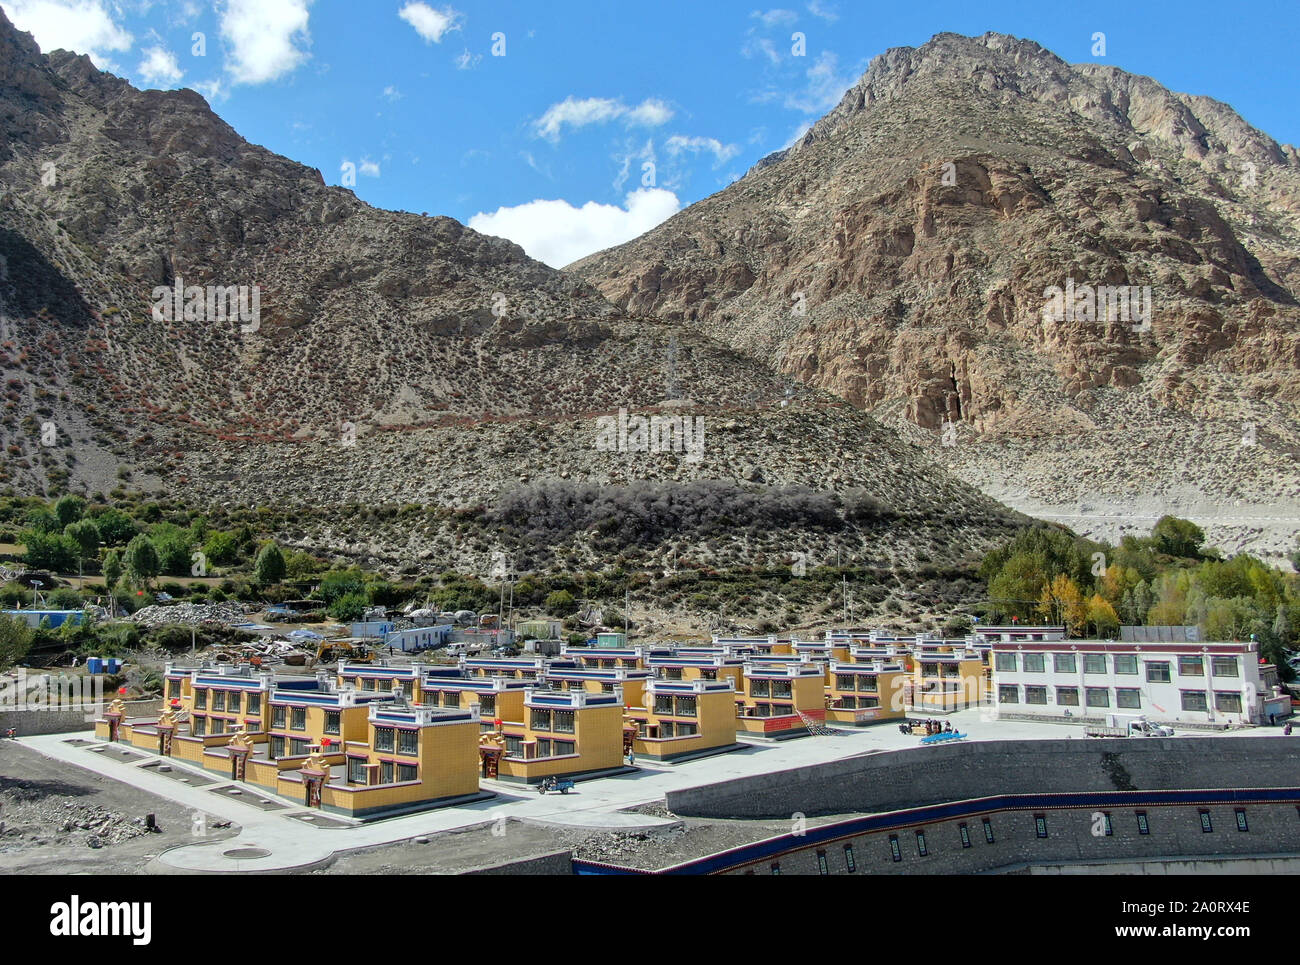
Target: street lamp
{"points": [[35, 585]]}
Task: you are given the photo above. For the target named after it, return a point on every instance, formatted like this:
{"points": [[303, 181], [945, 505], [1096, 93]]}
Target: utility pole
{"points": [[627, 602]]}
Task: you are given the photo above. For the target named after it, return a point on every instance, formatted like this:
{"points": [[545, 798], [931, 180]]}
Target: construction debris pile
{"points": [[190, 614], [626, 847], [32, 816], [259, 652]]}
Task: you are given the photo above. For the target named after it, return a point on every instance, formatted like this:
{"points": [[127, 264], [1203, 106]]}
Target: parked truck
{"points": [[1121, 725]]}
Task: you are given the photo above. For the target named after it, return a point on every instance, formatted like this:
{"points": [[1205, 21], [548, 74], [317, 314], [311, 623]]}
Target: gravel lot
{"points": [[61, 819]]}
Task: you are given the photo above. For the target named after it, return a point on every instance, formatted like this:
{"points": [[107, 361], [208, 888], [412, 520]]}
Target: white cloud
{"points": [[187, 13], [467, 60], [826, 11], [159, 68], [774, 18], [600, 110], [631, 152], [82, 26], [577, 113], [557, 233], [369, 168], [429, 23], [532, 163], [650, 113], [212, 90], [824, 89], [722, 152], [761, 45], [392, 93], [266, 38], [756, 44]]}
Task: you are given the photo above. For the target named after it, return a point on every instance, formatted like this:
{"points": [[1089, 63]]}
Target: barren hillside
{"points": [[394, 359]]}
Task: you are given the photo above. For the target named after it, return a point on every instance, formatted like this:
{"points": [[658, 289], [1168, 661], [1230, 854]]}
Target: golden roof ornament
{"points": [[316, 762], [241, 739]]}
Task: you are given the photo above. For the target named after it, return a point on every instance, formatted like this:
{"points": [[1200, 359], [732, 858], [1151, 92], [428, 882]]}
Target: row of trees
{"points": [[148, 556], [70, 533]]}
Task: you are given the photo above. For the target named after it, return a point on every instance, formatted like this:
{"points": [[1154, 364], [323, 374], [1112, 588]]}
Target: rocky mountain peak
{"points": [[1000, 68], [902, 253]]}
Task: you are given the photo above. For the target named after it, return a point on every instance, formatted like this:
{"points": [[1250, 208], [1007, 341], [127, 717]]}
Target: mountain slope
{"points": [[901, 255], [393, 359]]}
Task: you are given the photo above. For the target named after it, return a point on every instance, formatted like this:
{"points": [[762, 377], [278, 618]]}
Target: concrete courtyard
{"points": [[283, 836]]}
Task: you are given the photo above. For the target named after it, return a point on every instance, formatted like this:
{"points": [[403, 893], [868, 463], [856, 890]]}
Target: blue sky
{"points": [[547, 142]]}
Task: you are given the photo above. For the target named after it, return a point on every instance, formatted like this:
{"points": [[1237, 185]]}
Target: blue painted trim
{"points": [[895, 820]]}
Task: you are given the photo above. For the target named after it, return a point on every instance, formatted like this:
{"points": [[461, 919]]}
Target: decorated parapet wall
{"points": [[934, 775]]}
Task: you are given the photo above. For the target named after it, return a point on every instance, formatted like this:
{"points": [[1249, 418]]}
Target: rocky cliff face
{"points": [[388, 358], [902, 255]]}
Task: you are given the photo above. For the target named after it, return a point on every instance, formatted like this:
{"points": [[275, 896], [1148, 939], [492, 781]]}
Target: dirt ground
{"points": [[50, 811], [455, 852]]}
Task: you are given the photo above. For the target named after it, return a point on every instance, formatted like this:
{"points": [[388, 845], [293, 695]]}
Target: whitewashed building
{"points": [[1170, 681]]}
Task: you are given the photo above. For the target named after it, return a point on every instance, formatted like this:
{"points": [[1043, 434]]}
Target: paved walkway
{"points": [[279, 840]]}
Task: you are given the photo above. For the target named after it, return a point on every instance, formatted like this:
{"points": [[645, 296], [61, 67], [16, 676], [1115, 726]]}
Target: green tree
{"points": [[1171, 590], [141, 561], [1282, 626], [50, 551], [174, 547], [1055, 549], [349, 607], [1229, 619], [115, 527], [15, 640], [112, 568], [1177, 537], [69, 509], [246, 539], [269, 567], [220, 549], [1017, 586], [1143, 600], [1135, 553], [65, 598], [40, 520], [339, 583], [298, 565], [561, 603], [86, 535]]}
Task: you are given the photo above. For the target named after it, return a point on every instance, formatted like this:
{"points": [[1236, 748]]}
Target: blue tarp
{"points": [[57, 618]]}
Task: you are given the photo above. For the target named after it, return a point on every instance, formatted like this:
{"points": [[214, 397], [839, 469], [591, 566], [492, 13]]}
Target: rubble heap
{"points": [[190, 614], [35, 817]]}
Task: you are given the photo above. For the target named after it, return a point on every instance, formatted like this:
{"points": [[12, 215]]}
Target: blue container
{"points": [[94, 665], [113, 665]]}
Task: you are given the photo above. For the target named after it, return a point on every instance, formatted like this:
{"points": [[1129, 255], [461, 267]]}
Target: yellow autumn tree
{"points": [[1101, 616], [1061, 602], [1111, 583]]}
